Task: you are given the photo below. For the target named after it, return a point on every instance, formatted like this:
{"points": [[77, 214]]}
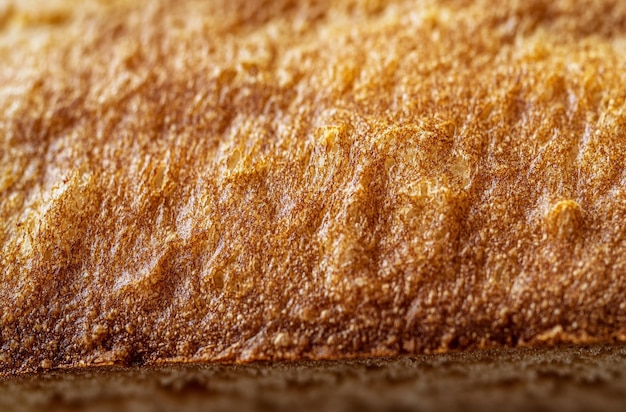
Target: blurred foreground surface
{"points": [[565, 379]]}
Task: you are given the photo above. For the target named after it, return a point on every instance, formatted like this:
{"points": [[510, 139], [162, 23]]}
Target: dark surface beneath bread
{"points": [[557, 379]]}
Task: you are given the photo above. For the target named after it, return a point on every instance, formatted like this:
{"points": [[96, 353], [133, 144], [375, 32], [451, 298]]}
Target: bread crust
{"points": [[239, 181]]}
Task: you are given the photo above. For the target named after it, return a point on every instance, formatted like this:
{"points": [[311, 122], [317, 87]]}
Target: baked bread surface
{"points": [[232, 181]]}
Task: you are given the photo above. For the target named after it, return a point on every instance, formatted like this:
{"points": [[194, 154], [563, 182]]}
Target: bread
{"points": [[233, 181]]}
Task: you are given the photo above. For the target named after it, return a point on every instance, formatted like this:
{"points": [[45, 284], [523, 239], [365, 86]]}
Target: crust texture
{"points": [[231, 181]]}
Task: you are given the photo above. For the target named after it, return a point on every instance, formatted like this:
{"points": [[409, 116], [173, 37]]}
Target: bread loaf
{"points": [[236, 181]]}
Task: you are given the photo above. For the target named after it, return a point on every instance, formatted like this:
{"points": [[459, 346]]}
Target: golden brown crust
{"points": [[238, 181]]}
